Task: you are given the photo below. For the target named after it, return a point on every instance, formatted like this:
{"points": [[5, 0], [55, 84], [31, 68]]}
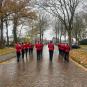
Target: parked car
{"points": [[83, 42], [75, 46]]}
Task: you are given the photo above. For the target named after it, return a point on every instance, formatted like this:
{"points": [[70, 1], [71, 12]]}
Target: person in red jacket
{"points": [[31, 48], [41, 49], [23, 50], [26, 48], [18, 51], [51, 50], [62, 49], [28, 44], [38, 49], [67, 50]]}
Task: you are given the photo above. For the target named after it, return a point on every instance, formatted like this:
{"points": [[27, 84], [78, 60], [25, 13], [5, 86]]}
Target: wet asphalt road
{"points": [[43, 73]]}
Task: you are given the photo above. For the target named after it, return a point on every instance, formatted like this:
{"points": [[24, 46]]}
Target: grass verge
{"points": [[80, 56], [6, 51]]}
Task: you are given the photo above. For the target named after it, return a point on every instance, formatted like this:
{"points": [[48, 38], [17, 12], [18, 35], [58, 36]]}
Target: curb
{"points": [[7, 53], [79, 65], [5, 57]]}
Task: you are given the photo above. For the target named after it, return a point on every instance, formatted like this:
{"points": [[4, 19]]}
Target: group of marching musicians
{"points": [[23, 48], [64, 50], [27, 48]]}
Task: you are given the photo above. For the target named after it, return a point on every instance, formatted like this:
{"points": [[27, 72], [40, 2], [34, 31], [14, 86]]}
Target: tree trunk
{"points": [[15, 30], [1, 32], [2, 29], [58, 33], [56, 36], [77, 39], [61, 30], [69, 37], [60, 38], [65, 36], [40, 35], [7, 34]]}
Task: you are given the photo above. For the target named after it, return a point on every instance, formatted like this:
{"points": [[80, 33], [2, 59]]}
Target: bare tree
{"points": [[7, 34], [41, 25], [58, 30], [78, 28], [19, 10], [64, 10]]}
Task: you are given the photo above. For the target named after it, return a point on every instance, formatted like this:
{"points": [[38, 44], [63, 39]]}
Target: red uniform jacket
{"points": [[59, 46], [38, 47], [26, 45], [62, 46], [23, 46], [67, 48], [41, 46], [18, 47], [31, 45], [51, 46]]}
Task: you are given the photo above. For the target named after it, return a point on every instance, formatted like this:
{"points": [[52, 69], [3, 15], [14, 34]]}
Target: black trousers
{"points": [[26, 50], [60, 52], [41, 52], [30, 51], [66, 57], [51, 54], [18, 56], [22, 53], [38, 54]]}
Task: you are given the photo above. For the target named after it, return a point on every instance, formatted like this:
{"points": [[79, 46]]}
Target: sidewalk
{"points": [[7, 56]]}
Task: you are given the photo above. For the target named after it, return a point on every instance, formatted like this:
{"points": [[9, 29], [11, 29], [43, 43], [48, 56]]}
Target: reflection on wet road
{"points": [[43, 73]]}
